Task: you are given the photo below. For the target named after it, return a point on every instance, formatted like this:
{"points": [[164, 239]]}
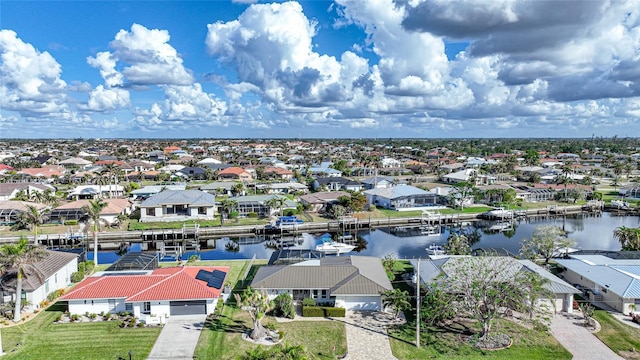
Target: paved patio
{"points": [[568, 329], [178, 338]]}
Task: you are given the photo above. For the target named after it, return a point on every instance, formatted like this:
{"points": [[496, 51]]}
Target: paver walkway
{"points": [[178, 338], [367, 336], [581, 343]]}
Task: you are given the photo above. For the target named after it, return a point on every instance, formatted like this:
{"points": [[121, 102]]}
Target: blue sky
{"points": [[349, 68]]}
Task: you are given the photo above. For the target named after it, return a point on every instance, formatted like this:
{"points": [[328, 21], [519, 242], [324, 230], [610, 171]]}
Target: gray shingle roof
{"points": [[342, 275], [42, 270], [177, 197]]}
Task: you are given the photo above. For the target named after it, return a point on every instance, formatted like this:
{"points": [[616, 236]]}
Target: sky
{"points": [[319, 69]]}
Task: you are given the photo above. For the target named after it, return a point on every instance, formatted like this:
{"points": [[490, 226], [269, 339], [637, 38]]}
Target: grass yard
{"points": [[222, 339], [40, 338], [621, 338], [441, 344]]}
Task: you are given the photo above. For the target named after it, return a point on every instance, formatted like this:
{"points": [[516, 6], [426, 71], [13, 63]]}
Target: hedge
{"points": [[322, 311]]}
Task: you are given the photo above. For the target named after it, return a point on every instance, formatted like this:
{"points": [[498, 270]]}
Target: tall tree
{"points": [[397, 299], [20, 257], [457, 244], [226, 207], [546, 241], [487, 287], [93, 210], [256, 304], [34, 217], [277, 202]]}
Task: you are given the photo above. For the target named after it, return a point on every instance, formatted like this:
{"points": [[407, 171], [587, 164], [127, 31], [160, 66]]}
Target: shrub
{"points": [[106, 316], [58, 318], [44, 303], [312, 311], [93, 316], [252, 215], [77, 277], [233, 214], [81, 267], [334, 311], [71, 222], [74, 317], [308, 302], [140, 324], [283, 306]]}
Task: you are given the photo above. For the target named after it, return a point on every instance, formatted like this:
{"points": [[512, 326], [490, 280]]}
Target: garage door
{"points": [[362, 303], [188, 307]]}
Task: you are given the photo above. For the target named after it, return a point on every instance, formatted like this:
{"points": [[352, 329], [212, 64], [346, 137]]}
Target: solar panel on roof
{"points": [[217, 278], [203, 275]]}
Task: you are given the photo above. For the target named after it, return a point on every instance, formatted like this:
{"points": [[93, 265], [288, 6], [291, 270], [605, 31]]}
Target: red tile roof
{"points": [[176, 283], [235, 170]]}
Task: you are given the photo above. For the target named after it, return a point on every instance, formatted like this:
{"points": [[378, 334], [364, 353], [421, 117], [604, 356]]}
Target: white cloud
{"points": [[101, 99], [152, 61], [31, 83]]}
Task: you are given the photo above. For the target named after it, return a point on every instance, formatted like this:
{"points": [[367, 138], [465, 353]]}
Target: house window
{"points": [[46, 287], [128, 307], [151, 211], [324, 293], [146, 307], [202, 210], [112, 305], [315, 294]]}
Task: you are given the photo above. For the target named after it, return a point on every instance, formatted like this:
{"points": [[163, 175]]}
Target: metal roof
{"points": [[189, 197], [360, 275]]}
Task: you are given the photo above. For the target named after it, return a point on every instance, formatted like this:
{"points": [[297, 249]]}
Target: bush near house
{"points": [[322, 311]]}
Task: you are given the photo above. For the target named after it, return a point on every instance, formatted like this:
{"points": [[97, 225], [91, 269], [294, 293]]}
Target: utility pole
{"points": [[418, 305]]}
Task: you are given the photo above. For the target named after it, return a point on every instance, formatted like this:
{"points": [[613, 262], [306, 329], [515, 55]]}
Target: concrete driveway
{"points": [[367, 336], [581, 343], [178, 338]]}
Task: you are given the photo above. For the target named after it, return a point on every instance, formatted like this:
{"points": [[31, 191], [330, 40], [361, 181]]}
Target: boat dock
{"points": [[190, 236]]}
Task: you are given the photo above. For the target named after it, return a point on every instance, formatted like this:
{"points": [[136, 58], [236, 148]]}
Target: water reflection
{"points": [[588, 232]]}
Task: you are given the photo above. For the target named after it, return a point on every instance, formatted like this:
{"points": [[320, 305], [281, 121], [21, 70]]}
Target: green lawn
{"points": [[40, 338], [439, 344], [621, 338], [222, 338]]}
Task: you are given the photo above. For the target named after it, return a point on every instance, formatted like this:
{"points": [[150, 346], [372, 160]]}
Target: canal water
{"points": [[588, 232]]}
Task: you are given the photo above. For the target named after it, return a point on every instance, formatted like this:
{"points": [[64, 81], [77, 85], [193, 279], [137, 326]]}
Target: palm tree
{"points": [[21, 257], [276, 202], [93, 210], [226, 206], [629, 238], [34, 217]]}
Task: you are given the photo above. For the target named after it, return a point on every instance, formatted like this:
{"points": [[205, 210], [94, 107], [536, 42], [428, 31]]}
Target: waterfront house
{"points": [[378, 182], [10, 211], [147, 191], [317, 202], [93, 191], [178, 205], [439, 266], [74, 211], [151, 296], [41, 279], [401, 197], [352, 282], [257, 204], [614, 282]]}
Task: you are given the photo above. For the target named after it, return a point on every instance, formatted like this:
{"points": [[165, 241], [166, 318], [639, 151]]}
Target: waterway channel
{"points": [[588, 231]]}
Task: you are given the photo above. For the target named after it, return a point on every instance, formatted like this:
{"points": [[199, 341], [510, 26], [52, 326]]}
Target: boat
{"points": [[329, 246], [288, 222], [619, 204], [498, 213], [434, 249]]}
